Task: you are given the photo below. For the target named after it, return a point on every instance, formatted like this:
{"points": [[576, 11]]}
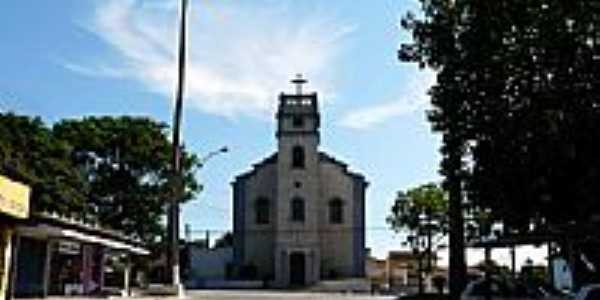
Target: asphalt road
{"points": [[275, 295], [240, 295]]}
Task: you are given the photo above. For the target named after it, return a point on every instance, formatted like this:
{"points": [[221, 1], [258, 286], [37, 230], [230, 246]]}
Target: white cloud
{"points": [[98, 70], [240, 55], [413, 99]]}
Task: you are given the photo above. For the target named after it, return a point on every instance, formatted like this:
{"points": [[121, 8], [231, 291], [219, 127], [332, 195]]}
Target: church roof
{"points": [[328, 158], [271, 159]]}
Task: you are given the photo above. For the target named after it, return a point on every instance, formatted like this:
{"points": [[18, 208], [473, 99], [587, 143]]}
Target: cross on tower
{"points": [[299, 81]]}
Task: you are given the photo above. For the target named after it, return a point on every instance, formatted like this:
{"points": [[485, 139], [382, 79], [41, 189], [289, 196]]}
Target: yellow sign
{"points": [[14, 198]]}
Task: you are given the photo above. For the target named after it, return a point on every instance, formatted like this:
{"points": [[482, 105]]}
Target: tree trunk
{"points": [[458, 268]]}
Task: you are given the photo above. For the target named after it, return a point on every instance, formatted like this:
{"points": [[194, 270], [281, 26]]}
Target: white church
{"points": [[299, 214]]}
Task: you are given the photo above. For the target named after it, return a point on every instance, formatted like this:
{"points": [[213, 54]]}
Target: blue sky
{"points": [[69, 58]]}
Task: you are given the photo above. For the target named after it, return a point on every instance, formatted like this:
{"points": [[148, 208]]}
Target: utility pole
{"points": [[173, 216]]}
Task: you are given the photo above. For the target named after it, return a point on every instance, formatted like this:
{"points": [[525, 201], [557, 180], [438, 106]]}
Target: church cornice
{"points": [[328, 158], [271, 159]]}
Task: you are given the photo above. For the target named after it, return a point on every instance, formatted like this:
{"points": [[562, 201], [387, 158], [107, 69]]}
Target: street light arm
{"points": [[212, 154]]}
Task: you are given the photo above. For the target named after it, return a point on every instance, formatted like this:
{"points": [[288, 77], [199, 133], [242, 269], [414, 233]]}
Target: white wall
{"points": [[209, 263]]}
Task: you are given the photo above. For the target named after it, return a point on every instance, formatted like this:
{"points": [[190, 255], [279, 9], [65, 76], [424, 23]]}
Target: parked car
{"points": [[588, 292], [502, 289]]}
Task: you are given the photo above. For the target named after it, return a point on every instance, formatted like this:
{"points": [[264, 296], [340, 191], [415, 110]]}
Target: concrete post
{"points": [[488, 264], [6, 256], [127, 276], [14, 265], [513, 261], [388, 277], [47, 266], [550, 264]]}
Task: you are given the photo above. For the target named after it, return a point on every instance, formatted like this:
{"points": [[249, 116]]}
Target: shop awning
{"points": [[45, 231]]}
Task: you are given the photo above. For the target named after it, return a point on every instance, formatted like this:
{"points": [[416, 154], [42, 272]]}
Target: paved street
{"points": [[273, 295], [241, 295]]}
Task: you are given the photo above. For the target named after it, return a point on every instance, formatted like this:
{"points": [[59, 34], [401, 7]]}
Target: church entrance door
{"points": [[297, 269]]}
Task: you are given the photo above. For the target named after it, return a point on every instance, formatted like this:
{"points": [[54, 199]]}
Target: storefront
{"points": [[60, 256], [14, 206]]}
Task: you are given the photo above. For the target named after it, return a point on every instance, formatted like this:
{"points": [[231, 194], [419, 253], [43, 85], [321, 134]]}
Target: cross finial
{"points": [[299, 81]]}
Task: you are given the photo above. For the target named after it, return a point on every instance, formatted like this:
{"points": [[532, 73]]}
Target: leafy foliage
{"points": [[436, 45], [415, 207], [523, 76], [114, 171], [30, 153], [127, 162], [517, 94]]}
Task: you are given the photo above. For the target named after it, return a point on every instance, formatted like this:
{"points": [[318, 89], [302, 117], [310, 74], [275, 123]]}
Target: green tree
{"points": [[516, 91], [529, 110], [127, 162], [423, 212], [414, 209], [30, 153]]}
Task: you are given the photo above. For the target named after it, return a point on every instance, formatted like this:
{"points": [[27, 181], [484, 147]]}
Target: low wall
{"points": [[354, 285], [225, 284]]}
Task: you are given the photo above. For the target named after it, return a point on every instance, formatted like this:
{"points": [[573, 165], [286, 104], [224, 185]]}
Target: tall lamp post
{"points": [[188, 231], [173, 216], [211, 154]]}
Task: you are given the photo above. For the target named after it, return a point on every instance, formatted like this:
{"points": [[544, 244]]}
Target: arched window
{"points": [[262, 211], [298, 209], [336, 211], [298, 157]]}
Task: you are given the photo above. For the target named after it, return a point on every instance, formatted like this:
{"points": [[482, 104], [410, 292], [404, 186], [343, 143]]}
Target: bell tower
{"points": [[298, 113], [297, 241]]}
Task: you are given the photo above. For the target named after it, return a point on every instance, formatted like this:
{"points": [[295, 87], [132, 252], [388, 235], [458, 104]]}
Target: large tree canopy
{"points": [[517, 87], [517, 98], [127, 163], [30, 153], [114, 171]]}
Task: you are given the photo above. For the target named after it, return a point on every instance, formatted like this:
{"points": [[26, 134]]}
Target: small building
{"points": [[399, 271], [14, 207], [376, 272], [299, 214], [57, 256]]}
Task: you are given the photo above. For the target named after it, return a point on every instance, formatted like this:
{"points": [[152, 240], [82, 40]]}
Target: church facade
{"points": [[299, 214]]}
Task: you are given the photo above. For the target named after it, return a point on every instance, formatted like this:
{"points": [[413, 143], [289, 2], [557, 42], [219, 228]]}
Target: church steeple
{"points": [[298, 113]]}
